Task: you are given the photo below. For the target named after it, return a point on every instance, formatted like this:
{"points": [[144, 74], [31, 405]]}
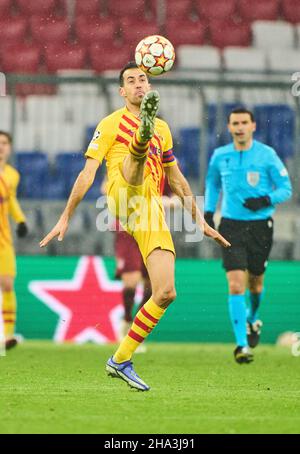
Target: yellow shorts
{"points": [[7, 261], [140, 211]]}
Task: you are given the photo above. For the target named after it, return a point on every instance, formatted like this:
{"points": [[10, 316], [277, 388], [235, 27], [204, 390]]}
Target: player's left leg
{"points": [[160, 265], [9, 308], [254, 325]]}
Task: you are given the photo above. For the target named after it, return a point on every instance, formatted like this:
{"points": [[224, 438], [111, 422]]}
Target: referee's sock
{"points": [[255, 300], [237, 311]]}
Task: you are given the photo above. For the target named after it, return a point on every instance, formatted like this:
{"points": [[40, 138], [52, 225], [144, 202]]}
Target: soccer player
{"points": [[9, 207], [138, 149], [253, 180]]}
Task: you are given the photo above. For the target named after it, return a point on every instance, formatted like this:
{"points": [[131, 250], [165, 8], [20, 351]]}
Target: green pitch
{"points": [[46, 388]]}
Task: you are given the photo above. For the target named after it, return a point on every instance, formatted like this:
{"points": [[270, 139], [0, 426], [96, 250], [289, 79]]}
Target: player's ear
{"points": [[254, 126], [122, 91]]}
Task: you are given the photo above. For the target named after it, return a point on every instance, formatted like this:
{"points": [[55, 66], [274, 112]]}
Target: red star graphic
{"points": [[86, 304]]}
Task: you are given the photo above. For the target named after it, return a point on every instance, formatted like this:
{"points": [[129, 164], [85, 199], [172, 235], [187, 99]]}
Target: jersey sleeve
{"points": [[101, 142], [280, 179], [15, 209], [212, 185], [168, 159]]}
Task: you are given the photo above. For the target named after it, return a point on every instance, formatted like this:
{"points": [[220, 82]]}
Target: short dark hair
{"points": [[241, 110], [7, 135], [130, 65]]}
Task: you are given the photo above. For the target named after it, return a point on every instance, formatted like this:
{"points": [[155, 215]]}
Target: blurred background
{"points": [[61, 59]]}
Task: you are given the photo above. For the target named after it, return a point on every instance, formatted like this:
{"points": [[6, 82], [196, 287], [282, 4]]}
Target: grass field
{"points": [[45, 388]]}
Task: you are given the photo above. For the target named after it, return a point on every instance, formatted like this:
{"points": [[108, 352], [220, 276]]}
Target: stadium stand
{"points": [[133, 30], [258, 10], [269, 34], [21, 58], [229, 33], [284, 60], [216, 9], [67, 56], [185, 31], [198, 57], [291, 11], [96, 30], [115, 59], [5, 7], [129, 8], [54, 30], [13, 29], [90, 8], [31, 7], [244, 59], [178, 9], [100, 36]]}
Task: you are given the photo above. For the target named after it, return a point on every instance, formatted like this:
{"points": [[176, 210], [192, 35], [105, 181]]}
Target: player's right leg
{"points": [[133, 165]]}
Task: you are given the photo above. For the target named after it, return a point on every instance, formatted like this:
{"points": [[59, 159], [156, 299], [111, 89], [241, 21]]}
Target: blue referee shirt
{"points": [[242, 174]]}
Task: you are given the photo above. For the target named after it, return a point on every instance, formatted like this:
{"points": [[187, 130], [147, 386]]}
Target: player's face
{"points": [[241, 127], [136, 85], [5, 148]]}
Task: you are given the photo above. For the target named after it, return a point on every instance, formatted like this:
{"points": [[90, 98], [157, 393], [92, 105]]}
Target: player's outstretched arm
{"points": [[82, 184], [181, 188]]}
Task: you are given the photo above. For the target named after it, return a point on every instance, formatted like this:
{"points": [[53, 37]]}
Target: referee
{"points": [[253, 180]]}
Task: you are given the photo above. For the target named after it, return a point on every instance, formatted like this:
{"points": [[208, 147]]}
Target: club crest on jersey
{"points": [[253, 178]]}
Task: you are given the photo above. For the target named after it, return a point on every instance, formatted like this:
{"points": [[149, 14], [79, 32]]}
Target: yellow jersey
{"points": [[9, 205], [113, 135]]}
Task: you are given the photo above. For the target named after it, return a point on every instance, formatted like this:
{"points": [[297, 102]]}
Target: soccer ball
{"points": [[155, 55]]}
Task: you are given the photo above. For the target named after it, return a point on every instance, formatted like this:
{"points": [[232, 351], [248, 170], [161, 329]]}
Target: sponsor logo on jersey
{"points": [[96, 135]]}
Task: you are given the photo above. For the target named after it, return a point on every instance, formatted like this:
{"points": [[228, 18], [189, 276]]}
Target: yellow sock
{"points": [[137, 147], [146, 319], [9, 305]]}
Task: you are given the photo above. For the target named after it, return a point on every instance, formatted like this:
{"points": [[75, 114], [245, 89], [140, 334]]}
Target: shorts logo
{"points": [[253, 178], [284, 172]]}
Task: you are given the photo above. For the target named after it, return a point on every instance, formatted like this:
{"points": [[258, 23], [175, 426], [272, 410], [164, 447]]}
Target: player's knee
{"points": [[236, 288], [165, 296], [255, 287]]}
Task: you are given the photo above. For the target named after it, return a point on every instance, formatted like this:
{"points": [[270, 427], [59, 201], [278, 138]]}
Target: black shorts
{"points": [[251, 243]]}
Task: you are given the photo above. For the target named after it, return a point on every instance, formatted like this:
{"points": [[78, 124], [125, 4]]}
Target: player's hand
{"points": [[59, 230], [257, 203], [212, 233], [22, 229]]}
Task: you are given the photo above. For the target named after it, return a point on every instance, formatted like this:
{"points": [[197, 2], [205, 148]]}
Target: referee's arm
{"points": [[280, 178]]}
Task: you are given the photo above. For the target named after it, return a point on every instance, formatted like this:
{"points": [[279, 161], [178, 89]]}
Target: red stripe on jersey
{"points": [[126, 130], [135, 336], [142, 325], [8, 312], [158, 140], [167, 153], [148, 316], [9, 321], [129, 121], [122, 140]]}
